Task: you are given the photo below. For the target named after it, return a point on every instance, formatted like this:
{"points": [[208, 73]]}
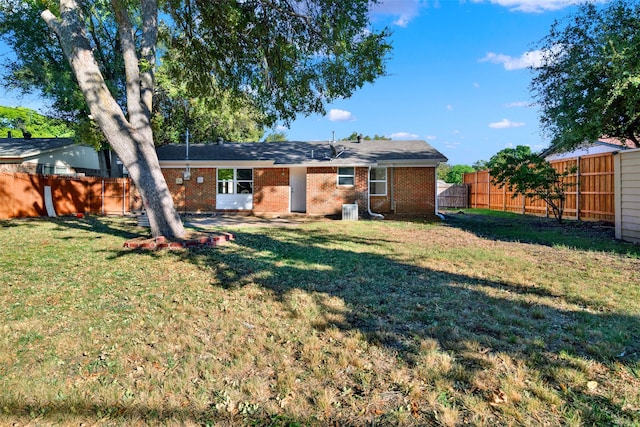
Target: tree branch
{"points": [[137, 116]]}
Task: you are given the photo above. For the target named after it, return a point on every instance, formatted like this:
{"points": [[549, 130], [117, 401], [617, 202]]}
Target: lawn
{"points": [[483, 319]]}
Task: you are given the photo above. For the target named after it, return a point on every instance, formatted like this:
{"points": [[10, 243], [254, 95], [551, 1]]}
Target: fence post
{"points": [[102, 197], [578, 188], [475, 203]]}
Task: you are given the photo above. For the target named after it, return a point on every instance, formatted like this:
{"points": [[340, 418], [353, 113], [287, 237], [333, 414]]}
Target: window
{"points": [[346, 176], [244, 181], [235, 181], [378, 182], [49, 169]]}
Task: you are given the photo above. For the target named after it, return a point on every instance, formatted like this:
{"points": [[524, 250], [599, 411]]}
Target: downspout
{"points": [[371, 214], [435, 172], [392, 188]]}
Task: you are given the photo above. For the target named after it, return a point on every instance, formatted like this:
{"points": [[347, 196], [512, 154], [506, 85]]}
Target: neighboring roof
{"points": [[315, 153], [613, 142], [20, 148], [602, 145]]}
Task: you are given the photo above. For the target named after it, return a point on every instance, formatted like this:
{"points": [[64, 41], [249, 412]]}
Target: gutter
{"points": [[438, 214]]}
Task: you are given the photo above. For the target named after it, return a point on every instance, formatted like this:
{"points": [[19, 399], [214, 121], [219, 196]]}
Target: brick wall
{"points": [[271, 190], [415, 190], [325, 197], [191, 196]]}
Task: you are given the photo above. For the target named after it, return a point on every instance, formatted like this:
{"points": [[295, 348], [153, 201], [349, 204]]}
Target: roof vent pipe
{"points": [[359, 138], [8, 134], [219, 140], [187, 148]]}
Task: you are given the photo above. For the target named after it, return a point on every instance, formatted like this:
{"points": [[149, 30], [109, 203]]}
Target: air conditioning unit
{"points": [[350, 212]]}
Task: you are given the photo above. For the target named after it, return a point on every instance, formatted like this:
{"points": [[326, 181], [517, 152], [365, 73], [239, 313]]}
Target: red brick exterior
{"points": [[325, 197], [191, 196], [271, 190], [413, 192]]}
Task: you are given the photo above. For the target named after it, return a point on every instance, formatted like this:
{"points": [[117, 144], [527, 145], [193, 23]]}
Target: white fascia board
{"points": [[409, 163], [177, 164]]}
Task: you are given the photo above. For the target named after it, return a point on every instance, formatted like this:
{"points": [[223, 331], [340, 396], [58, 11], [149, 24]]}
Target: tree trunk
{"points": [[131, 138]]}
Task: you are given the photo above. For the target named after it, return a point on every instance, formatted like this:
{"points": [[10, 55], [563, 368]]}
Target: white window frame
{"points": [[233, 182], [376, 181], [344, 175]]}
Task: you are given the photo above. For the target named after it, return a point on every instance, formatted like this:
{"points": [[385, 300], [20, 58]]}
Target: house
{"points": [[316, 178], [627, 195], [47, 156], [602, 145]]}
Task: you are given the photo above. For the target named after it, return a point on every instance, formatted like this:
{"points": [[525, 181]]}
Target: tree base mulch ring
{"points": [[161, 242]]}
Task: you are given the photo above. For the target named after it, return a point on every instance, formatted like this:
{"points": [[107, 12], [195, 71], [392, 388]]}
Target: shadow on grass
{"points": [[510, 227], [396, 306]]}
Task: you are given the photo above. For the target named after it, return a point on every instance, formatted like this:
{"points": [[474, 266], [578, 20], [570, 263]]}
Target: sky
{"points": [[458, 77]]}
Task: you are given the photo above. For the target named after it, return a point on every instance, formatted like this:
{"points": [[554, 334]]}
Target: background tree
{"points": [[280, 56], [17, 120], [528, 174], [480, 165], [589, 84], [456, 173], [442, 170], [276, 137], [354, 137]]}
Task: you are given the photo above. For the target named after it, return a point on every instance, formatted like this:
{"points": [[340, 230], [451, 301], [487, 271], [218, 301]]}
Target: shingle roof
{"points": [[19, 148], [311, 152]]}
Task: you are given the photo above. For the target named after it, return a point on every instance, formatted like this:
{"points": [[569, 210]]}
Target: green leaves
{"points": [[18, 120], [288, 57], [589, 87], [528, 174]]}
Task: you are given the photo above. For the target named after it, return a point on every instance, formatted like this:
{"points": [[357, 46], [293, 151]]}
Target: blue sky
{"points": [[457, 78]]}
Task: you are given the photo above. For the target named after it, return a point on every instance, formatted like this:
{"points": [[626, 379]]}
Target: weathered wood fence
{"points": [[590, 197], [453, 195], [23, 195]]}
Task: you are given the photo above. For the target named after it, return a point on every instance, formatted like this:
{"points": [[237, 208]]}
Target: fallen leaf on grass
{"points": [[498, 397]]}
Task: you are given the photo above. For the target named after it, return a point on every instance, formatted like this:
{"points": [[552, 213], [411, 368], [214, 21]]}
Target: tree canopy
{"points": [[17, 120], [279, 57], [354, 137], [589, 84], [528, 174]]}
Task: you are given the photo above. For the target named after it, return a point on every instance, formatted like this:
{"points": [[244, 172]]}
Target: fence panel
{"points": [[590, 194], [22, 195], [453, 195]]}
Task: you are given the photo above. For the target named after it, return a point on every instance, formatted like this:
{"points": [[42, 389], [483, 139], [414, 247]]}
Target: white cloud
{"points": [[450, 107], [532, 59], [430, 138], [404, 11], [505, 124], [404, 135], [451, 144], [336, 115], [535, 6], [518, 104], [281, 128]]}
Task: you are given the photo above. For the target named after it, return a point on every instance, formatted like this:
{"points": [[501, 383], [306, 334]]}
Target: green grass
{"points": [[482, 319]]}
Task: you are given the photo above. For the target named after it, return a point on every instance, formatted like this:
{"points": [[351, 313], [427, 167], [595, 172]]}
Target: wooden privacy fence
{"points": [[590, 197], [453, 195], [23, 195]]}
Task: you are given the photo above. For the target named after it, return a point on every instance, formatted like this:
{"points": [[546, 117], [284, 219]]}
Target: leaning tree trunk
{"points": [[130, 136]]}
